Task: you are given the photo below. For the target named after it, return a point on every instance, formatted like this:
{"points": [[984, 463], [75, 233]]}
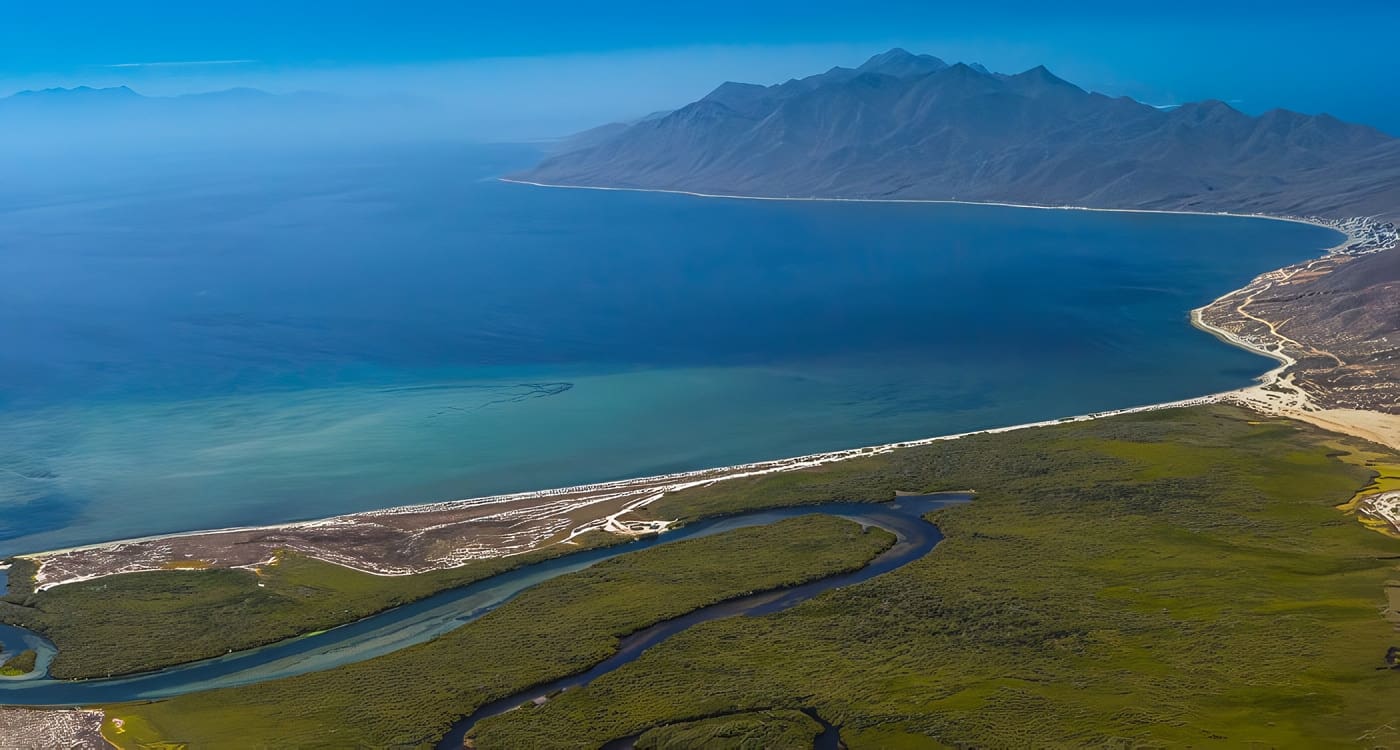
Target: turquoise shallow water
{"points": [[255, 338]]}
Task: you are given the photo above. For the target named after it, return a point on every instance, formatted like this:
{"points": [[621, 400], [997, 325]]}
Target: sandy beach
{"points": [[1276, 395]]}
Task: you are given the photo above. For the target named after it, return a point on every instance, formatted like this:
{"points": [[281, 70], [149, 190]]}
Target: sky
{"points": [[542, 67]]}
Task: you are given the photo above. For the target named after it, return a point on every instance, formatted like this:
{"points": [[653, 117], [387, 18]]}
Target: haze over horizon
{"points": [[498, 73]]}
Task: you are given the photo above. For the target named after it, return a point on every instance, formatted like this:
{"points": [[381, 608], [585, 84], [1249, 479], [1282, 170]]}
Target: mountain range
{"points": [[906, 126]]}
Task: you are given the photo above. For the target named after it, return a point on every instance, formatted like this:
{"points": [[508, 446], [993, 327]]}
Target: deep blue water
{"points": [[259, 337]]}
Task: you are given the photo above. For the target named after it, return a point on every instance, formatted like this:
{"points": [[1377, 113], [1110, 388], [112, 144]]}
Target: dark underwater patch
{"points": [[44, 513]]}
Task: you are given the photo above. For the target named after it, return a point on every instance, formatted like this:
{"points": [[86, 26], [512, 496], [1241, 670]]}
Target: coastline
{"points": [[1276, 394], [1350, 237], [675, 481], [558, 515]]}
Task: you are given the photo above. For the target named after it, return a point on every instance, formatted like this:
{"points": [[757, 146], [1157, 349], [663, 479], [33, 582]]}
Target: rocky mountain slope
{"points": [[913, 126]]}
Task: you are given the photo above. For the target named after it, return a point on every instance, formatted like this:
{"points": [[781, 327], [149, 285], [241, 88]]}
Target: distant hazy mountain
{"points": [[79, 93], [121, 100], [40, 124], [912, 126]]}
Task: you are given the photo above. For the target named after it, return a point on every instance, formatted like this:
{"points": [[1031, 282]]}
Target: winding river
{"points": [[421, 621], [915, 537]]}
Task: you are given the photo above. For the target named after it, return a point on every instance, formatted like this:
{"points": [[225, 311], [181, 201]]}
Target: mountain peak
{"points": [[966, 76], [734, 88], [1215, 105], [1039, 80], [902, 63], [1040, 73], [895, 54], [1209, 109]]}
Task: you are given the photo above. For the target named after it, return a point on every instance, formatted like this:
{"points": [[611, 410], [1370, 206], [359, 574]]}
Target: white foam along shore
{"points": [[660, 485]]}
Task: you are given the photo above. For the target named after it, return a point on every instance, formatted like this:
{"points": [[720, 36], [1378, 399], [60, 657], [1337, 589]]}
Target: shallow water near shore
{"points": [[256, 338]]}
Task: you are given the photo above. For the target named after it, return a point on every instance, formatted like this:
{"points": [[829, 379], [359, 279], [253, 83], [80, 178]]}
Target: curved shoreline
{"points": [[655, 487], [1284, 361], [1378, 427], [615, 498]]}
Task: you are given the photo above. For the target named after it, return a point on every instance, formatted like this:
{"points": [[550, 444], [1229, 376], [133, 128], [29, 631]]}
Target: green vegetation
{"points": [[19, 664], [760, 730], [1178, 578], [557, 628], [21, 579], [142, 621]]}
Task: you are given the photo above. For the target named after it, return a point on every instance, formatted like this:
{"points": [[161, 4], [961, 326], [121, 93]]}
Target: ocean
{"points": [[257, 337]]}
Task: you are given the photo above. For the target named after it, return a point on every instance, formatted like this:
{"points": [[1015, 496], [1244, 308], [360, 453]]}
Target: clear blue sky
{"points": [[631, 56]]}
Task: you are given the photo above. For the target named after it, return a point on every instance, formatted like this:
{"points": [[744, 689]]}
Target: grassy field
{"points": [[1175, 578], [560, 627], [142, 621]]}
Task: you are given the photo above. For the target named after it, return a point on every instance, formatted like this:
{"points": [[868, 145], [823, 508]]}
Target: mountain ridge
{"points": [[911, 126]]}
